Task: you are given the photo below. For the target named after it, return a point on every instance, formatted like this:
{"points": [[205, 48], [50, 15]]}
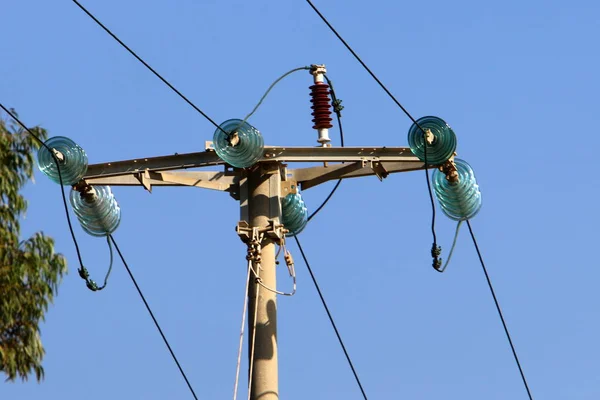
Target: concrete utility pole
{"points": [[259, 189], [262, 304]]}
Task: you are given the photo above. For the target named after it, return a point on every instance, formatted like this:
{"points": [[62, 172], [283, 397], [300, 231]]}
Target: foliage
{"points": [[30, 271]]}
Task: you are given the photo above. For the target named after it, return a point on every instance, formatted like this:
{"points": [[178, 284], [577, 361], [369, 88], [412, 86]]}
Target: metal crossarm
{"points": [[339, 163]]}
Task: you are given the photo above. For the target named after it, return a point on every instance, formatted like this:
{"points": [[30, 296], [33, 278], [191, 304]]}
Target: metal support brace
{"points": [[275, 232]]}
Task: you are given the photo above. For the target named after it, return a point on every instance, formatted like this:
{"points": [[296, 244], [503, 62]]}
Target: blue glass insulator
{"points": [[244, 153], [294, 214], [74, 161], [459, 200], [443, 145], [97, 210]]}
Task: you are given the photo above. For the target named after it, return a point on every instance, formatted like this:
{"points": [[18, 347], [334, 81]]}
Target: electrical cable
{"points": [[83, 271], [153, 317], [147, 65], [435, 250], [268, 90], [292, 273], [241, 345], [90, 283], [489, 282], [337, 333], [442, 269]]}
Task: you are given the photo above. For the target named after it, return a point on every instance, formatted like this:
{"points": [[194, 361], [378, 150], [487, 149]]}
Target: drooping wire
{"points": [[241, 345], [90, 283], [337, 333], [442, 269], [489, 282], [337, 108], [159, 76], [291, 271], [264, 96], [82, 270], [153, 317], [435, 250]]}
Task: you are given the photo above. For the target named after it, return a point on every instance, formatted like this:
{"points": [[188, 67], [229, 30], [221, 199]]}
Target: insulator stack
{"points": [[96, 209], [460, 200], [72, 160], [238, 144], [294, 214], [438, 137], [319, 93]]}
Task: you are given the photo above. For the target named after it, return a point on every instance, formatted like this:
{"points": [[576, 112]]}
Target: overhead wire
{"points": [[435, 250], [110, 239], [489, 282], [82, 270], [159, 76], [330, 316], [164, 338]]}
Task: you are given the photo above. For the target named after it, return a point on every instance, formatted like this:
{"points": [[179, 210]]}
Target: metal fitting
{"points": [[449, 169]]}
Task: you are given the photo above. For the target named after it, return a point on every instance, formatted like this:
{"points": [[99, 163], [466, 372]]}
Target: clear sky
{"points": [[517, 81]]}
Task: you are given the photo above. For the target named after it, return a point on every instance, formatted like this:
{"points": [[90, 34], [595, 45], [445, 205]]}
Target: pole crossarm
{"points": [[339, 163]]}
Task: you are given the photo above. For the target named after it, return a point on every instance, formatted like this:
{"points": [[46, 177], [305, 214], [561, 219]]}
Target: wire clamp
{"points": [[273, 231], [436, 251]]}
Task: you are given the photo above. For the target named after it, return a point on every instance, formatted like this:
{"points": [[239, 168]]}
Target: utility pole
{"points": [[263, 204], [260, 189]]}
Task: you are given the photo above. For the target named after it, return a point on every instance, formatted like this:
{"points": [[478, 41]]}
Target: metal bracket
{"points": [[144, 178], [429, 136], [379, 170], [449, 169], [289, 187], [272, 231]]}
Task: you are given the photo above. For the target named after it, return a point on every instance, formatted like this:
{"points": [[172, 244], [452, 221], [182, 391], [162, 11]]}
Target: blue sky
{"points": [[517, 81]]}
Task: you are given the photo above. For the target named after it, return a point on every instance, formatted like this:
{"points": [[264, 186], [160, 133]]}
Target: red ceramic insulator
{"points": [[321, 106]]}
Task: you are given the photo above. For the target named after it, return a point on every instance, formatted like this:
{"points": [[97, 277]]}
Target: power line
{"points": [[153, 317], [489, 282], [435, 250], [362, 63], [159, 76], [337, 333], [83, 271]]}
